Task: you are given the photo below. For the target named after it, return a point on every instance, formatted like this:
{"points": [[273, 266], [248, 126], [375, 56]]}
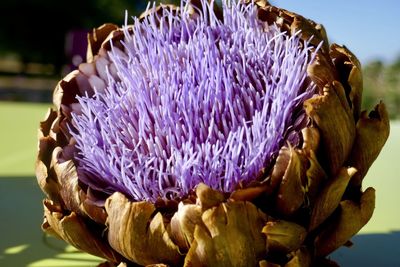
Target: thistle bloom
{"points": [[191, 101], [200, 136]]}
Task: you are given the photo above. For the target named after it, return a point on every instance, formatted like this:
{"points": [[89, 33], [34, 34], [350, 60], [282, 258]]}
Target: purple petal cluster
{"points": [[190, 99]]}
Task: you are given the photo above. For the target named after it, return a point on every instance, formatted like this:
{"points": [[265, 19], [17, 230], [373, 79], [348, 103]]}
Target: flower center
{"points": [[192, 99]]}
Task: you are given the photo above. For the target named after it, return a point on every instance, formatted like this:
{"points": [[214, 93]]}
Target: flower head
{"points": [[249, 107], [187, 99]]}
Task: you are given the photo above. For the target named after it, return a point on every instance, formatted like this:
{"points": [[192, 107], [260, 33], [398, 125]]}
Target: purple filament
{"points": [[191, 99]]}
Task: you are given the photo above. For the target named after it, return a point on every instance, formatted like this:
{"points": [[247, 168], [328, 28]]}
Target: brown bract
{"points": [[308, 204]]}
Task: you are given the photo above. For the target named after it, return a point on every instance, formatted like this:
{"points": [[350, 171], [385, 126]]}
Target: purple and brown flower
{"points": [[206, 135]]}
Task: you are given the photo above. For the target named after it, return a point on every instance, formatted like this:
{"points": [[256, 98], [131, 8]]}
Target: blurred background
{"points": [[42, 40]]}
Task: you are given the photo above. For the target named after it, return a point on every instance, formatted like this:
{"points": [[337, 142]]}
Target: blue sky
{"points": [[369, 28]]}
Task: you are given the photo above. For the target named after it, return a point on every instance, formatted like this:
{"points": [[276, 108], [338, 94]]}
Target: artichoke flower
{"points": [[210, 136]]}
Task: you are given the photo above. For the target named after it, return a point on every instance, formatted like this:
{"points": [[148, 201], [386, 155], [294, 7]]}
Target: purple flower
{"points": [[189, 99]]}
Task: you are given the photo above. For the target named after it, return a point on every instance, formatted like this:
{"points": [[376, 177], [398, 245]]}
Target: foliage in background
{"points": [[382, 81], [35, 30]]}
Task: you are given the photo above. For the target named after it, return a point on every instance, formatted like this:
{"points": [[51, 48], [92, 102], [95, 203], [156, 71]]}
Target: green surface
{"points": [[19, 123], [23, 244], [384, 176]]}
